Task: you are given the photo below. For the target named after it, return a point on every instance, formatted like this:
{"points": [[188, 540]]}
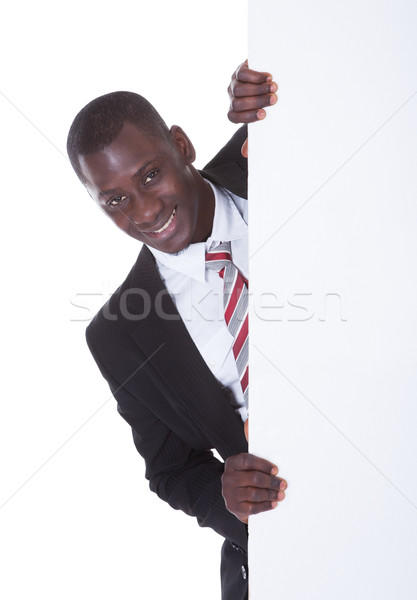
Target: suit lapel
{"points": [[182, 373]]}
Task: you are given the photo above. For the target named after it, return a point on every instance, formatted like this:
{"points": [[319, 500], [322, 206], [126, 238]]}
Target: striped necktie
{"points": [[235, 300]]}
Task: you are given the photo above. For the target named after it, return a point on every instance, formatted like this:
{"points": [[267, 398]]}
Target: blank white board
{"points": [[333, 259]]}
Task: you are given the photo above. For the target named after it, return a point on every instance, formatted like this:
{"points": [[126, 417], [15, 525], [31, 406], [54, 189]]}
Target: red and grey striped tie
{"points": [[235, 297]]}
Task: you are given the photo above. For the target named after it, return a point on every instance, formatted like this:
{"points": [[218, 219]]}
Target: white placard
{"points": [[333, 247]]}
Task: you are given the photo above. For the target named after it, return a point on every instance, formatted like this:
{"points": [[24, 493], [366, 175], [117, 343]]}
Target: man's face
{"points": [[149, 189]]}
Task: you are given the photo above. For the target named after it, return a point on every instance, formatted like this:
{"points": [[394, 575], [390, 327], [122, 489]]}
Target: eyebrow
{"points": [[138, 172]]}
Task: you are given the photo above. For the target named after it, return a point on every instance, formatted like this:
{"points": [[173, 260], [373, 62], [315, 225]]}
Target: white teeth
{"points": [[167, 224]]}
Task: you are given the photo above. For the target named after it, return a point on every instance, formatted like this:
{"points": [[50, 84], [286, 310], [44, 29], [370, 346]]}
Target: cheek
{"points": [[186, 198], [179, 183], [170, 188]]}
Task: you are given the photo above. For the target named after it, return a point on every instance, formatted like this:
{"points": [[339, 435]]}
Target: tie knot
{"points": [[219, 256]]}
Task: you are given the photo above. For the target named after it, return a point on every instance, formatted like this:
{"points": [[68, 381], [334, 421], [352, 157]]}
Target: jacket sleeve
{"points": [[188, 479]]}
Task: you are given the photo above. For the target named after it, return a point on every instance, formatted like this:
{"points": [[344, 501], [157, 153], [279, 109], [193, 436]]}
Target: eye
{"points": [[116, 200], [150, 176]]}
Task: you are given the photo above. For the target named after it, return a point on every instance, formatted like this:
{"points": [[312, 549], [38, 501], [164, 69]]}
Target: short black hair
{"points": [[102, 119]]}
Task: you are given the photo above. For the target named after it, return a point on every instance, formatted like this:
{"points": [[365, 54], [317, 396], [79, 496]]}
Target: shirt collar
{"points": [[228, 225]]}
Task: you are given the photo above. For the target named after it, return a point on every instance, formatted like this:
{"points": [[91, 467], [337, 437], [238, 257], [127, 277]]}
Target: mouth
{"points": [[166, 227], [167, 224]]}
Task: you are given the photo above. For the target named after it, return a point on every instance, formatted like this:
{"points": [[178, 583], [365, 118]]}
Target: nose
{"points": [[145, 211]]}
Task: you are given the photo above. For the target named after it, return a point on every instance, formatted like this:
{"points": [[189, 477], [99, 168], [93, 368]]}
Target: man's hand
{"points": [[250, 485], [250, 92]]}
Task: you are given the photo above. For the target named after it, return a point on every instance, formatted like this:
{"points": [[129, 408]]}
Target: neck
{"points": [[206, 206]]}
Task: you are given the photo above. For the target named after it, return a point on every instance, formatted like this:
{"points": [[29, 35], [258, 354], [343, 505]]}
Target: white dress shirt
{"points": [[198, 291]]}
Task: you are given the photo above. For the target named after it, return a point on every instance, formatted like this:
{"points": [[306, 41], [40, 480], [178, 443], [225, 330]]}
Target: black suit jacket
{"points": [[177, 409]]}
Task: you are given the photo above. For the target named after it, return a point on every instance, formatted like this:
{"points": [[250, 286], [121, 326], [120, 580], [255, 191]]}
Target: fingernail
{"points": [[274, 504], [273, 87], [281, 495], [269, 78], [272, 99], [274, 470], [283, 485], [261, 114]]}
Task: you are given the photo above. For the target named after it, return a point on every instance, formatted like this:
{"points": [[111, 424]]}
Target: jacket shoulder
{"points": [[229, 168], [110, 327]]}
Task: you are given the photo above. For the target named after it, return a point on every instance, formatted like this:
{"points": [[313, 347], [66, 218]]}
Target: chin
{"points": [[177, 246], [178, 252]]}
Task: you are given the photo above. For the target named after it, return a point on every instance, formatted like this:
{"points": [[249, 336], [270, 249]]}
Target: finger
{"points": [[244, 153], [254, 508], [255, 494], [256, 479], [250, 462], [246, 425], [248, 116], [245, 74], [240, 90], [241, 516], [252, 102]]}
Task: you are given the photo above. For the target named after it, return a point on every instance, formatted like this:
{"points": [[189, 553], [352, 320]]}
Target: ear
{"points": [[183, 144]]}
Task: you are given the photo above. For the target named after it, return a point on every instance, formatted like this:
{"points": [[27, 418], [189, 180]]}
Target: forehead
{"points": [[131, 149]]}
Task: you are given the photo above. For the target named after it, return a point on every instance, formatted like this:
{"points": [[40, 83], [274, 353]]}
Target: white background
{"points": [[333, 217], [77, 519]]}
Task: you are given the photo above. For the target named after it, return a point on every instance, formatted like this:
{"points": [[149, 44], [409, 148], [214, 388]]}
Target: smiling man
{"points": [[147, 185], [179, 380]]}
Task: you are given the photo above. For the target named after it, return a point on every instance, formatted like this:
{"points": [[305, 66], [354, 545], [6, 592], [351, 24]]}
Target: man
{"points": [[159, 363]]}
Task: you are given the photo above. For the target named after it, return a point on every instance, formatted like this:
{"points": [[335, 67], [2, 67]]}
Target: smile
{"points": [[167, 224]]}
